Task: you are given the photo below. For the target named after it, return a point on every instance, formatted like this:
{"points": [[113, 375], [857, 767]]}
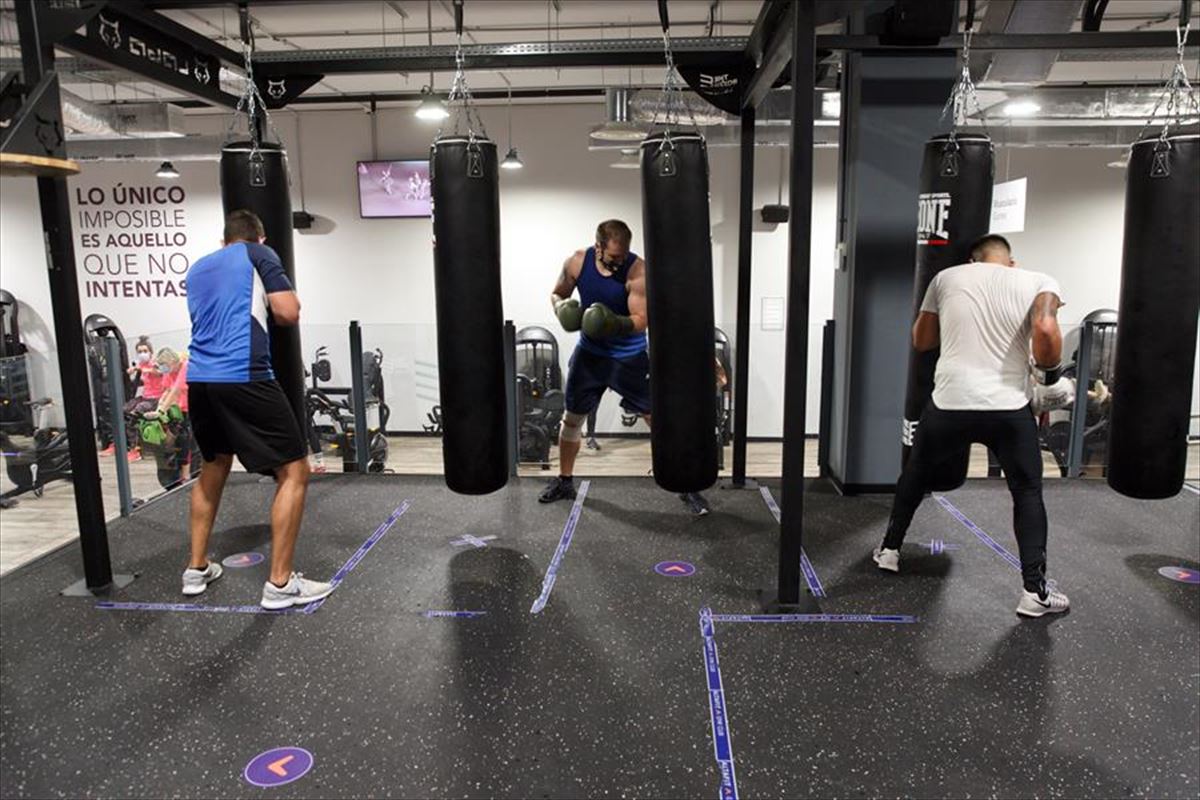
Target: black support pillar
{"points": [[891, 105], [741, 366], [795, 380], [37, 60]]}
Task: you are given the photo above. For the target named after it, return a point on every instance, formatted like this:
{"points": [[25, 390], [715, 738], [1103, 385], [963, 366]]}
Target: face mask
{"points": [[612, 266], [165, 369], [142, 358]]}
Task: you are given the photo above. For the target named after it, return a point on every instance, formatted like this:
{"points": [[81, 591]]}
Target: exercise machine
{"points": [[96, 329], [34, 453], [335, 405], [540, 398]]}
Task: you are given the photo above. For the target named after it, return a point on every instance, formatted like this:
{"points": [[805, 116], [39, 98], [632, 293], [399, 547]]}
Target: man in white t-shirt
{"points": [[987, 316]]}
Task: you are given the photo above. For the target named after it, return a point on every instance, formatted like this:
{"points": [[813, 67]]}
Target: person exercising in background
{"points": [[987, 316], [611, 354]]}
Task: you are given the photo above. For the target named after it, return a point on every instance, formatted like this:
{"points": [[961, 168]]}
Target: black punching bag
{"points": [[261, 185], [1156, 324], [470, 316], [679, 295], [954, 208]]}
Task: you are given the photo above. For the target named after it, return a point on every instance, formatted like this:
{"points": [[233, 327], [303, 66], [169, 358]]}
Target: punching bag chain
{"points": [[671, 102], [250, 105], [461, 104], [963, 95], [1178, 95]]}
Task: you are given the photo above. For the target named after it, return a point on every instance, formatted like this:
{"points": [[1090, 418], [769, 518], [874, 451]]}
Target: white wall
{"points": [[380, 271], [23, 272]]}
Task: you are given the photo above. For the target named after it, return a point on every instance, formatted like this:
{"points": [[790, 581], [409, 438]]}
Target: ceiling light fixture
{"points": [[512, 160], [431, 108], [166, 170], [629, 159]]}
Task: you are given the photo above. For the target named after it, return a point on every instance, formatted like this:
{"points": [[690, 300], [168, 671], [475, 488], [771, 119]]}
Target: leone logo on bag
{"points": [[933, 214]]}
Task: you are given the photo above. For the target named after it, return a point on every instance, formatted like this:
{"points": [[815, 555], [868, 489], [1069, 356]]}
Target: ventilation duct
{"points": [[84, 119], [187, 148], [647, 104], [619, 125], [1023, 16], [1086, 106]]}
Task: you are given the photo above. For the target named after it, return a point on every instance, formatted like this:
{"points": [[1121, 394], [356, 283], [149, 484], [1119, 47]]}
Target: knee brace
{"points": [[572, 426]]}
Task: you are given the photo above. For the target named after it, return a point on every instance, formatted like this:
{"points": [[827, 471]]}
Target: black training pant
{"points": [[1012, 436]]}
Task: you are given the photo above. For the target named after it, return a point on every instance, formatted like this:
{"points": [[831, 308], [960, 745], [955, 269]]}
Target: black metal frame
{"points": [[784, 32], [789, 32], [37, 57]]}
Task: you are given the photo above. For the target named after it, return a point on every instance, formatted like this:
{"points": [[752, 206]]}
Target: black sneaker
{"points": [[559, 488], [695, 503]]}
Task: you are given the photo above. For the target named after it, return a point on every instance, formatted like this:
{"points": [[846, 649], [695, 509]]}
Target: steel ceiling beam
{"points": [[119, 59], [772, 61], [526, 55], [143, 12], [1102, 40], [769, 47]]}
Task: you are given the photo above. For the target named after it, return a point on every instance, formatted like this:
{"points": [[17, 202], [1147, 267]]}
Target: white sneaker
{"points": [[1031, 605], [887, 559], [195, 581], [299, 591]]}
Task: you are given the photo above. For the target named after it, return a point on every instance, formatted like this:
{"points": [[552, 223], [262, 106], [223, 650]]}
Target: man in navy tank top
{"points": [[610, 315]]}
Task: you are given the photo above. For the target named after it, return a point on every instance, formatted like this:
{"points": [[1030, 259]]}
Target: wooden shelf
{"points": [[37, 166]]}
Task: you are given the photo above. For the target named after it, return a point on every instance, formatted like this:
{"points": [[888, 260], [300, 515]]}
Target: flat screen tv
{"points": [[393, 189]]}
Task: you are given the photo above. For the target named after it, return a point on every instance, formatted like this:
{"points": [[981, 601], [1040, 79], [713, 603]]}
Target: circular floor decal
{"points": [[1181, 574], [674, 569], [278, 766], [239, 560]]}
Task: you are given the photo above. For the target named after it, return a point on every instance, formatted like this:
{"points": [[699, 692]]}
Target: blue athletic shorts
{"points": [[589, 375]]}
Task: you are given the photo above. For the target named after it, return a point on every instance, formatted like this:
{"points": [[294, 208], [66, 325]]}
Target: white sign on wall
{"points": [[134, 242], [1008, 207], [772, 314]]}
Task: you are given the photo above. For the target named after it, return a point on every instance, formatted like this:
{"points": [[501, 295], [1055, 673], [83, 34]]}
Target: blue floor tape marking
{"points": [[453, 614], [810, 574], [193, 607], [1012, 560], [722, 743], [899, 619], [361, 552], [338, 577], [563, 544]]}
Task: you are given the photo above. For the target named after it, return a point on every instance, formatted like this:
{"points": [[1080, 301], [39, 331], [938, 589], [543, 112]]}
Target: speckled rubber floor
{"points": [[604, 693]]}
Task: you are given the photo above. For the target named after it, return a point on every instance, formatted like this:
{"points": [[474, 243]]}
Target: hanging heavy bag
{"points": [[954, 208], [259, 182], [1156, 323], [470, 316], [679, 298]]}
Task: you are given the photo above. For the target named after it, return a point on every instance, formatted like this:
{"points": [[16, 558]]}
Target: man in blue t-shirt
{"points": [[237, 408], [611, 317]]}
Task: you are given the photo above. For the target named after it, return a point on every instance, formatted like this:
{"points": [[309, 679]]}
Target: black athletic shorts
{"points": [[253, 421], [588, 375]]}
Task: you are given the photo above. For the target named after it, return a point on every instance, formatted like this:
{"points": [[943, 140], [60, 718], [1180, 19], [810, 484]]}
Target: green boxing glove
{"points": [[601, 322], [569, 314]]}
